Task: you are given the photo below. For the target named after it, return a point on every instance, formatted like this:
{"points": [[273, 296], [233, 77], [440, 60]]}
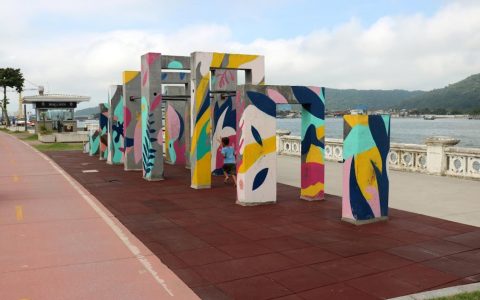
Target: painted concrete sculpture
{"points": [[256, 162], [365, 178], [202, 64], [224, 84], [175, 127], [103, 131], [115, 126], [94, 142], [132, 129], [151, 91]]}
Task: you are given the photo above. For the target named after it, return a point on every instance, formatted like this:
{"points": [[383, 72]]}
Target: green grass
{"points": [[462, 296], [59, 147], [30, 137]]}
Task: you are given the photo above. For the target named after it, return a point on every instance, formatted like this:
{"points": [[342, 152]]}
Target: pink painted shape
{"points": [[180, 151], [137, 142], [315, 89], [276, 96], [127, 117], [312, 173], [346, 208], [152, 57], [156, 102], [375, 201], [173, 125], [145, 78]]}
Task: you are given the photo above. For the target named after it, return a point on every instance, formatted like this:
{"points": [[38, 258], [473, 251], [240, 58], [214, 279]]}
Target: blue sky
{"points": [[248, 19], [81, 47]]}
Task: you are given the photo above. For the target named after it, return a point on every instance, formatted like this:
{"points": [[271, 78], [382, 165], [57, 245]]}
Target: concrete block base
{"points": [[363, 222], [154, 179], [311, 199], [200, 187], [254, 203]]}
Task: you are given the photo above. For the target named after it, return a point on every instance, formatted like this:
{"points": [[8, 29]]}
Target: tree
{"points": [[12, 78]]}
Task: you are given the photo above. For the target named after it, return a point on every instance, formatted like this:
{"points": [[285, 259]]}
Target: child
{"points": [[229, 166]]}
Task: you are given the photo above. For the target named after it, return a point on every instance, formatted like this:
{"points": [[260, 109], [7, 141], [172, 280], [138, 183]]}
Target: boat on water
{"points": [[429, 117]]}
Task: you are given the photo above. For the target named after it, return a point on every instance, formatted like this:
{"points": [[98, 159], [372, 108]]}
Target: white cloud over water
{"points": [[398, 51]]}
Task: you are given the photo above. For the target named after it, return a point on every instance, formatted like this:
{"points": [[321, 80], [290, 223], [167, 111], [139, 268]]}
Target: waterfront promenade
{"points": [[449, 198], [104, 233], [58, 242]]}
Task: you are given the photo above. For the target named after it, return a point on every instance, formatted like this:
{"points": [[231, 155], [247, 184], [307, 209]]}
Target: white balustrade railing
{"points": [[463, 162], [460, 162]]}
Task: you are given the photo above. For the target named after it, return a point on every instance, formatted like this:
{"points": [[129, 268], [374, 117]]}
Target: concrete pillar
{"points": [[175, 131], [132, 127], [94, 142], [103, 131], [436, 158], [115, 126], [152, 138], [365, 177]]}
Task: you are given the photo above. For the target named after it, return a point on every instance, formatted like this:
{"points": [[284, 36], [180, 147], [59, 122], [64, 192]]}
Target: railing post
{"points": [[437, 163], [280, 133]]}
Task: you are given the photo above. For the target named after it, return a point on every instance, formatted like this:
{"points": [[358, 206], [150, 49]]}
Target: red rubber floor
{"points": [[291, 250]]}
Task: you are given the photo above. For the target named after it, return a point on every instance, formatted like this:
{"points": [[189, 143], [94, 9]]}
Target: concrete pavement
{"points": [[443, 197], [58, 242]]}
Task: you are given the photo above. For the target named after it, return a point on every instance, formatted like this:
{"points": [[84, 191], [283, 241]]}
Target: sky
{"points": [[82, 47]]}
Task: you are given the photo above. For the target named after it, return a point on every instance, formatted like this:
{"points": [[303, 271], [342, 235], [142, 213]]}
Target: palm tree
{"points": [[12, 78]]}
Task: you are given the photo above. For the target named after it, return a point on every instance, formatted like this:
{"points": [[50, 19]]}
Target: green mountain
{"points": [[370, 99], [463, 96], [95, 110]]}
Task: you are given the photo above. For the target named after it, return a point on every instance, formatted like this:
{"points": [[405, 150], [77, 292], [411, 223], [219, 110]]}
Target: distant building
{"points": [[55, 112]]}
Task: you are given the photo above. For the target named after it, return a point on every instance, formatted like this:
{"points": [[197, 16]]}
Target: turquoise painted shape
{"points": [[171, 150], [359, 140], [308, 119], [175, 64]]}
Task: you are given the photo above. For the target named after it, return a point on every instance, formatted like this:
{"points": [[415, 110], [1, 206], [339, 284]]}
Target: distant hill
{"points": [[460, 97], [463, 96], [371, 99], [87, 111]]}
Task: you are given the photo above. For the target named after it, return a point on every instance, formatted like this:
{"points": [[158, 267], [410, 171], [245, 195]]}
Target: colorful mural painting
{"points": [[132, 129], [171, 65], [94, 142], [256, 137], [202, 64], [365, 177], [175, 132], [103, 131], [115, 126], [224, 84], [151, 111]]}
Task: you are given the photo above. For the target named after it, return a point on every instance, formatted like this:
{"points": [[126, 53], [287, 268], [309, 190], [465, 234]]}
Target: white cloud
{"points": [[408, 52]]}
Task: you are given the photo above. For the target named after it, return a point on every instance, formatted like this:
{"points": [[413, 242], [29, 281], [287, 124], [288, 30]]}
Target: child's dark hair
{"points": [[225, 141]]}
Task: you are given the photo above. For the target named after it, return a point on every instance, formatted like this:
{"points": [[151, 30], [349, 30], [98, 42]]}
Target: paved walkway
{"points": [[59, 242], [443, 197], [291, 250]]}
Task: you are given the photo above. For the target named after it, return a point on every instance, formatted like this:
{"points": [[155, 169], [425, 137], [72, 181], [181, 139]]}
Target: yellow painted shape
{"points": [[15, 178], [313, 190], [320, 132], [253, 151], [201, 91], [129, 76], [19, 212], [354, 120], [315, 154], [364, 170], [238, 60], [217, 60], [201, 171]]}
